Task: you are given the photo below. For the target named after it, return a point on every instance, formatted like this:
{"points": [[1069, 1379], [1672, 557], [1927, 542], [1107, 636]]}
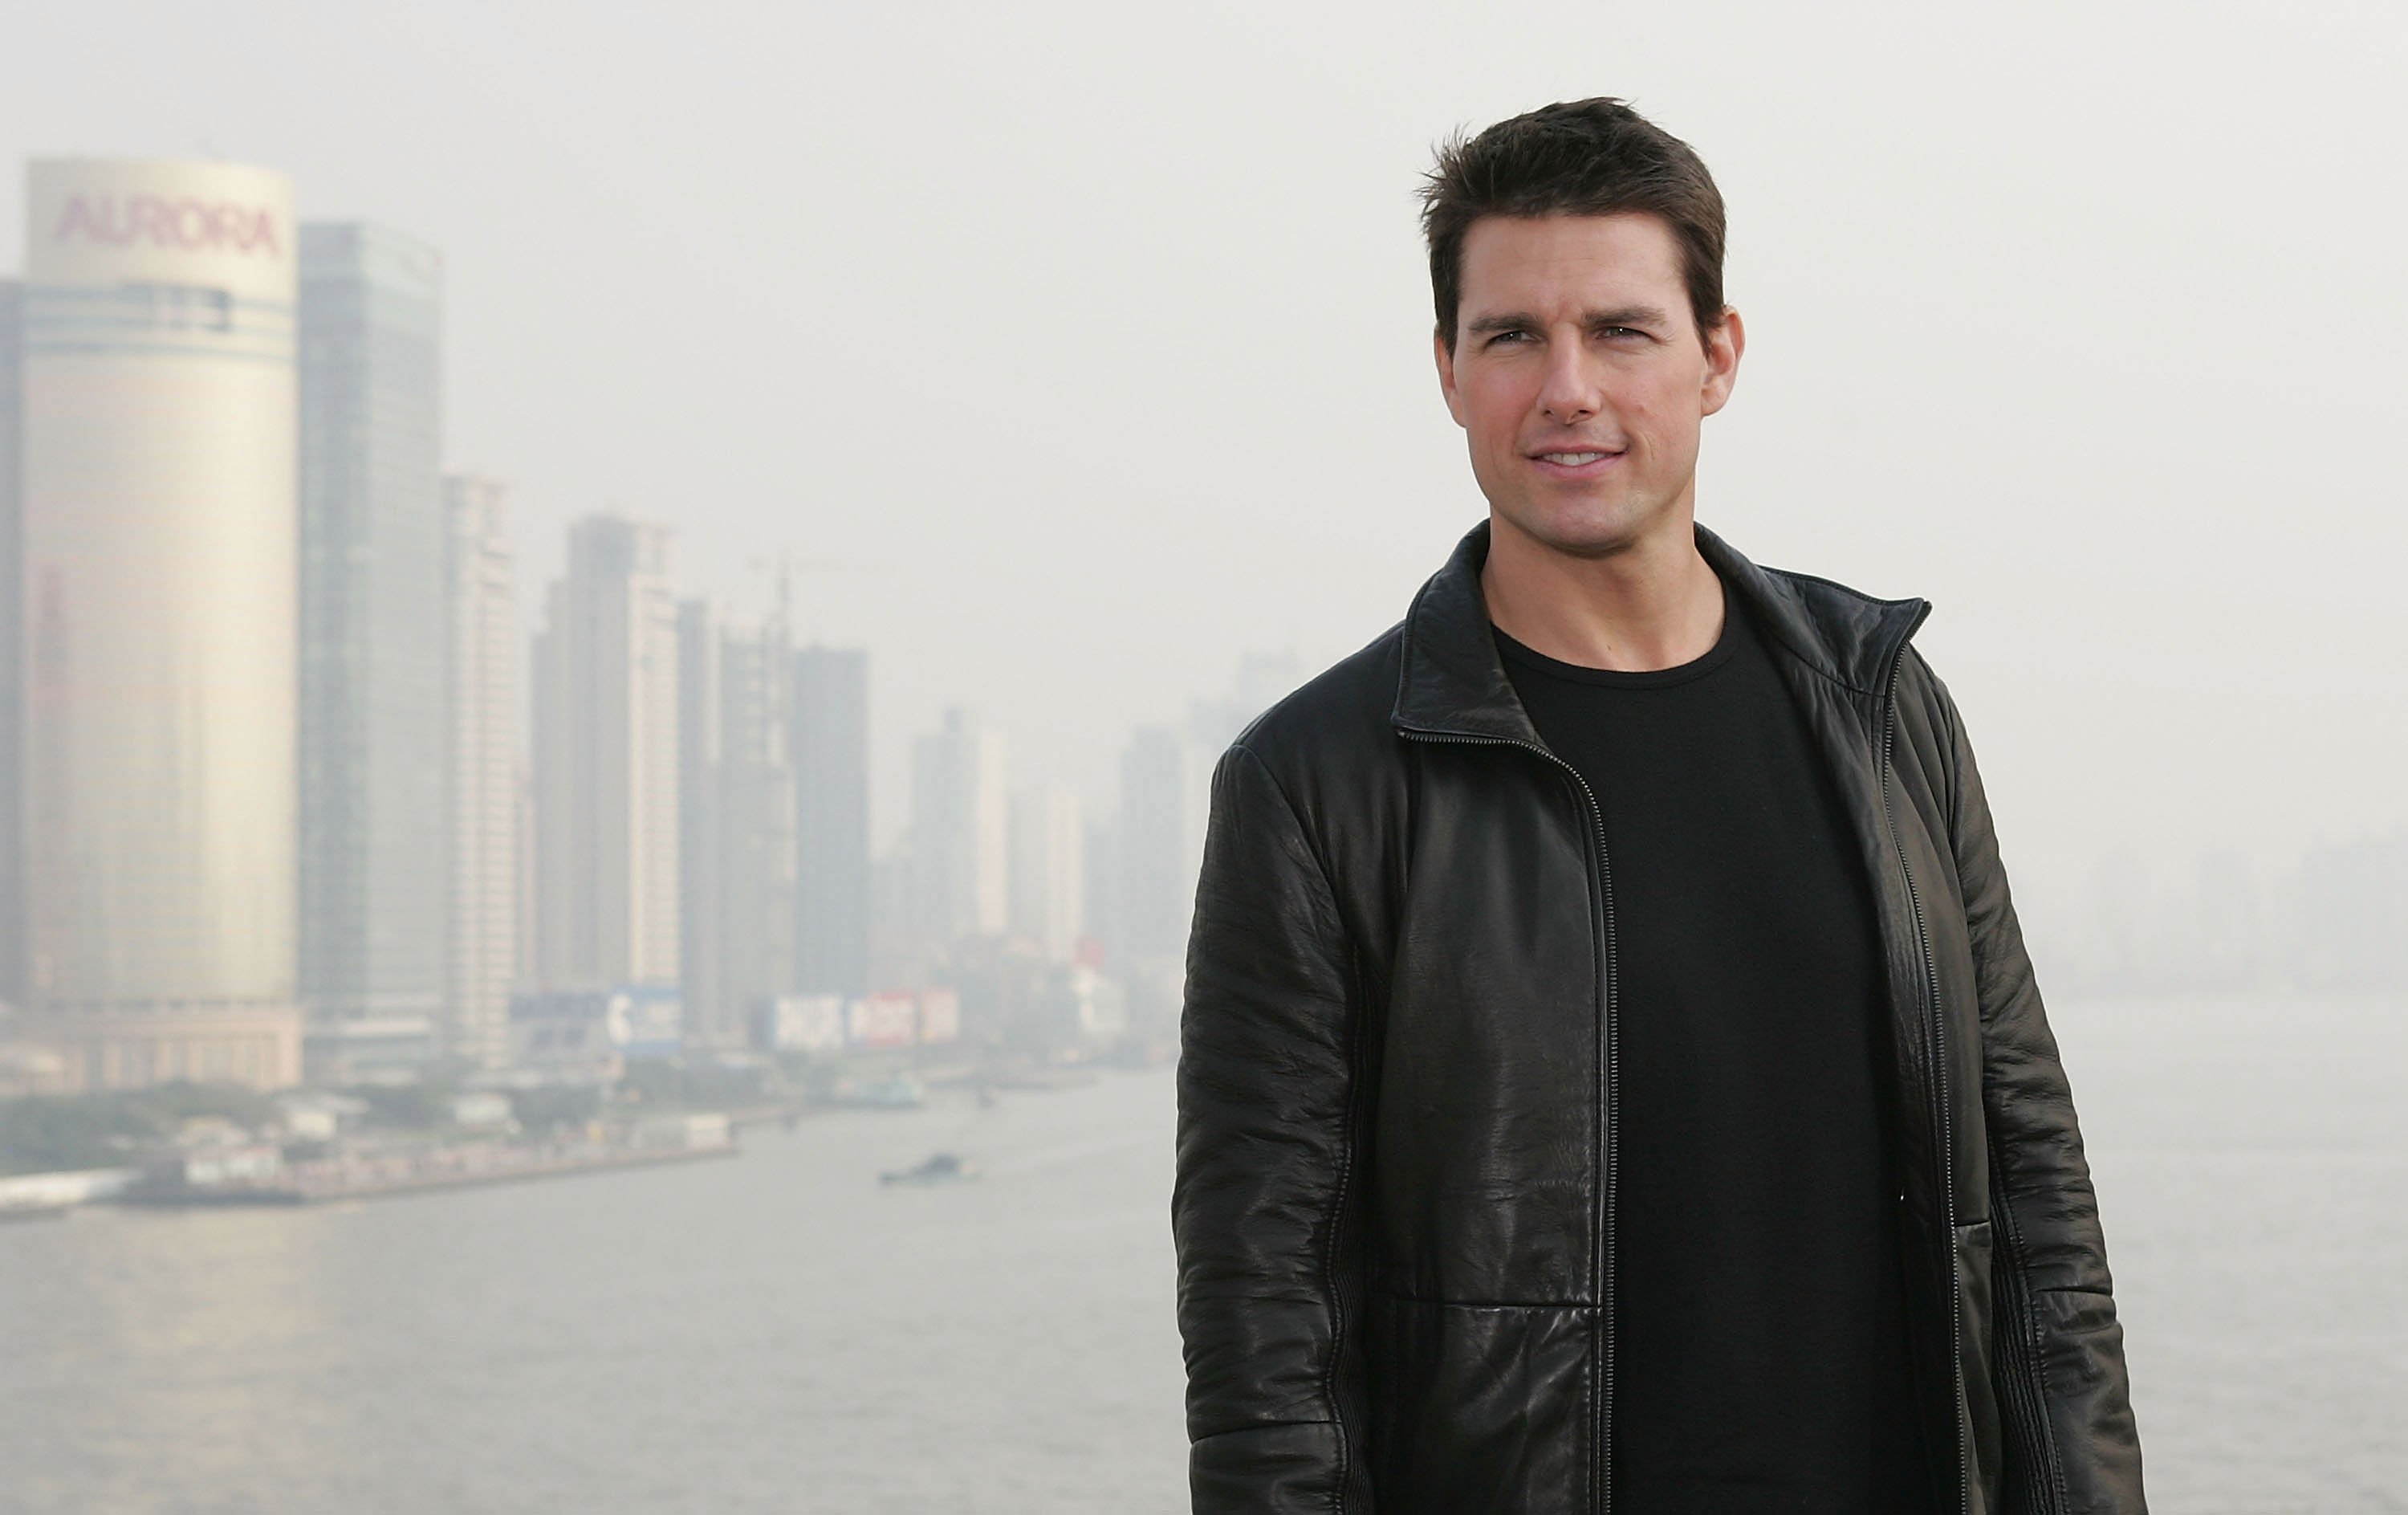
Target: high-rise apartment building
{"points": [[736, 820], [830, 747], [529, 956], [700, 881], [605, 776], [156, 523], [960, 881], [480, 958], [374, 630], [12, 852], [1049, 857]]}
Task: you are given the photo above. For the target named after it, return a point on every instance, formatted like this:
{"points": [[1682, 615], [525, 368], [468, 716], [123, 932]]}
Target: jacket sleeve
{"points": [[2061, 1348], [1266, 1168]]}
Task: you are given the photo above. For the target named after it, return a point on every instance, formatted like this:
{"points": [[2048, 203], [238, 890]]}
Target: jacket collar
{"points": [[1453, 683]]}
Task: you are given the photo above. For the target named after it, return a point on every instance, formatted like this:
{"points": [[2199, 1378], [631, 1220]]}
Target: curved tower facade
{"points": [[158, 621]]}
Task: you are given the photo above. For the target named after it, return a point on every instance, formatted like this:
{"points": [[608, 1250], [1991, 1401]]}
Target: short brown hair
{"points": [[1581, 158]]}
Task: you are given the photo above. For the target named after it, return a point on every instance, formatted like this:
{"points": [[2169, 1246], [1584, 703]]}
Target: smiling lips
{"points": [[1565, 460]]}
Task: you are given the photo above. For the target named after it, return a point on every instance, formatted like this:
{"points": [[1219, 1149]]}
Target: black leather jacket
{"points": [[1397, 1156]]}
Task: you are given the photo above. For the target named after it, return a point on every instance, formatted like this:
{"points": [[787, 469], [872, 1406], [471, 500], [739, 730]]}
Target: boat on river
{"points": [[899, 1091], [940, 1168]]}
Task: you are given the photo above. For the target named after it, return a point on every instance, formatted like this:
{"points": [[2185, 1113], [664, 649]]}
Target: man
{"points": [[1611, 1076]]}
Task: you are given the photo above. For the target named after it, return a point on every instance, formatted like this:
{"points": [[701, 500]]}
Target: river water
{"points": [[779, 1333]]}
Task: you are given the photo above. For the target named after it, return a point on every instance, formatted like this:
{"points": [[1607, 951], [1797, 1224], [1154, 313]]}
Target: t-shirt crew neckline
{"points": [[1726, 644]]}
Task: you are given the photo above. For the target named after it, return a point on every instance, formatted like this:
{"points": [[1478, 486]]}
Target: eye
{"points": [[1620, 331], [1503, 337]]}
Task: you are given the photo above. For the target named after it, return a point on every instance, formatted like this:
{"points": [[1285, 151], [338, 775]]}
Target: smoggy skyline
{"points": [[1070, 355]]}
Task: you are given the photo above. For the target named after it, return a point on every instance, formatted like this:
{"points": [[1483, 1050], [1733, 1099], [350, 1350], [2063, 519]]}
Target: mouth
{"points": [[1575, 462]]}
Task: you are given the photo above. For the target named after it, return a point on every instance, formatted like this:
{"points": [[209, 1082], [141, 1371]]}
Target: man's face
{"points": [[1579, 378]]}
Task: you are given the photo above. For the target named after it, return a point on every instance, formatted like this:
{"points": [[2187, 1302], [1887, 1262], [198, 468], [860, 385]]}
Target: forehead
{"points": [[1525, 261]]}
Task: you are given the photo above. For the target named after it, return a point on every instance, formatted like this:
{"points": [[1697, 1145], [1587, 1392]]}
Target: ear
{"points": [[1724, 345], [1447, 375]]}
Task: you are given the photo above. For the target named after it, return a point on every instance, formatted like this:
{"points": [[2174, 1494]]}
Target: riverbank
{"points": [[357, 1182]]}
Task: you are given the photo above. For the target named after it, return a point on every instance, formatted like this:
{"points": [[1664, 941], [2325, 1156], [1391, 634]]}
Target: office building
{"points": [[830, 752], [374, 633], [604, 779], [156, 519]]}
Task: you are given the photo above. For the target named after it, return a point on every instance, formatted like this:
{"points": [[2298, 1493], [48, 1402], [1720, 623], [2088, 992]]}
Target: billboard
{"points": [[805, 1023], [881, 1021], [572, 1025], [647, 1022]]}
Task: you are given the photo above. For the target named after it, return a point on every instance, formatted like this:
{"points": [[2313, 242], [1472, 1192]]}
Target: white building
{"points": [[156, 526], [606, 762], [960, 823], [1049, 857], [481, 794], [12, 851]]}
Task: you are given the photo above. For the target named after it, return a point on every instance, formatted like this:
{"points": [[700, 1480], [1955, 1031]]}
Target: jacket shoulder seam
{"points": [[1953, 731], [1287, 803]]}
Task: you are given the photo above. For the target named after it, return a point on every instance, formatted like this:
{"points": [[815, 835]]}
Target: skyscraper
{"points": [[1049, 857], [481, 799], [157, 573], [606, 762], [756, 827], [830, 746], [959, 829], [737, 819], [699, 813], [374, 633], [12, 852]]}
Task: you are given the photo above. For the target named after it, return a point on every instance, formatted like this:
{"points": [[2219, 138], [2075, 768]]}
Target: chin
{"points": [[1586, 533]]}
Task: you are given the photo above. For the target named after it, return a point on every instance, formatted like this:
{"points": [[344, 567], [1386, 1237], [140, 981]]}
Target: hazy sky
{"points": [[1074, 349]]}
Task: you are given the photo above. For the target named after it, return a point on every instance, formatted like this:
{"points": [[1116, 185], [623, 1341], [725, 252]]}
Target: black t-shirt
{"points": [[1760, 1329]]}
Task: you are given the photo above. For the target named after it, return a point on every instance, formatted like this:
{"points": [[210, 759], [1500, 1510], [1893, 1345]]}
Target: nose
{"points": [[1569, 392]]}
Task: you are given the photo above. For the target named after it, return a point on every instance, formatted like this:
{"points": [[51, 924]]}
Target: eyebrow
{"points": [[1621, 315]]}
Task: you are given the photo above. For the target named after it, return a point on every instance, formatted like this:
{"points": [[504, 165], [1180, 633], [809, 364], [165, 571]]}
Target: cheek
{"points": [[1666, 408], [1494, 410]]}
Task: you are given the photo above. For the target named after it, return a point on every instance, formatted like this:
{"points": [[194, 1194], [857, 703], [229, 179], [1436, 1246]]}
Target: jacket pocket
{"points": [[1484, 1407]]}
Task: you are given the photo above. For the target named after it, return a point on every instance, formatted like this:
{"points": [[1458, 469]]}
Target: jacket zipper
{"points": [[1610, 1061], [1939, 1064]]}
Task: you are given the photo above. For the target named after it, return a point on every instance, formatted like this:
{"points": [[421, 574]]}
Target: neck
{"points": [[1653, 604]]}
